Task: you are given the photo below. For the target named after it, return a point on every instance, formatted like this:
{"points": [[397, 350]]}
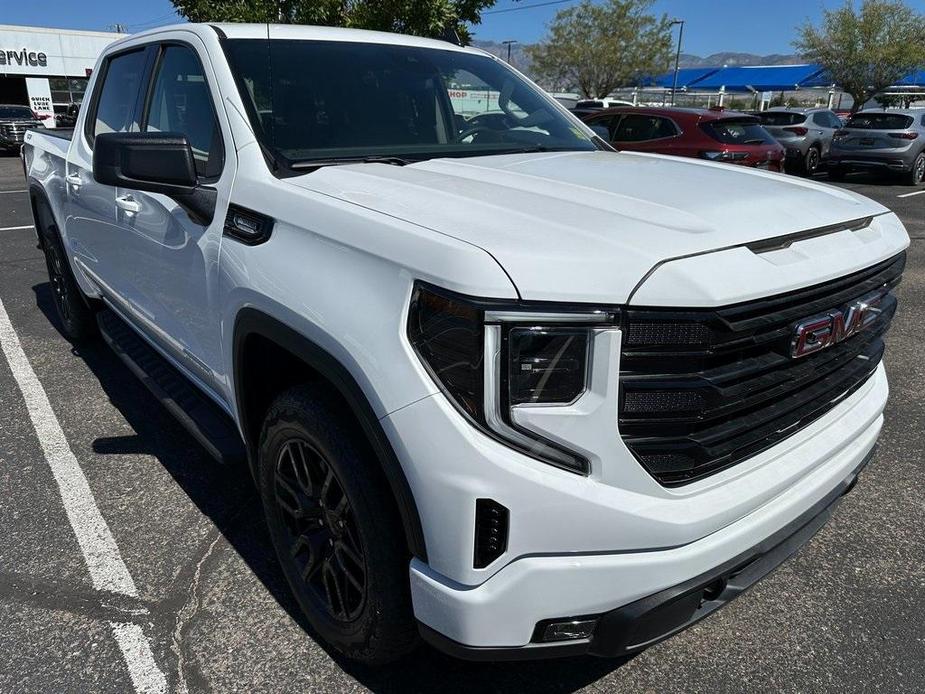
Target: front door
{"points": [[174, 259]]}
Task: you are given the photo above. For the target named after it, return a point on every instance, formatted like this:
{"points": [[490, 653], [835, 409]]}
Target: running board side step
{"points": [[208, 424]]}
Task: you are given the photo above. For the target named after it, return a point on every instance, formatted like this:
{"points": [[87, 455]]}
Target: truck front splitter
{"points": [[636, 626]]}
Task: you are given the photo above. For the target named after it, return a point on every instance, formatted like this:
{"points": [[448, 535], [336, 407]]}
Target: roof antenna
{"points": [[450, 35]]}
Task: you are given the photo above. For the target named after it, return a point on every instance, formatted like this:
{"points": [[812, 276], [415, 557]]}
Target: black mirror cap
{"points": [[153, 162]]}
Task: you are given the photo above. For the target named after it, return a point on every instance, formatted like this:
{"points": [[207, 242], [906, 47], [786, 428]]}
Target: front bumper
{"points": [[633, 627], [580, 546]]}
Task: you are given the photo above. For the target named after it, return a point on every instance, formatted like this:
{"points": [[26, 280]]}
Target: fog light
{"points": [[569, 630]]}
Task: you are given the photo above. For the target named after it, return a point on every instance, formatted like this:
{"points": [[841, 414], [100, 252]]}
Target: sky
{"points": [[711, 26]]}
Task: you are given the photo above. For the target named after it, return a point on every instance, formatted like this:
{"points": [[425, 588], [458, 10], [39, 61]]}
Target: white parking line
{"points": [[909, 195], [146, 676], [27, 226], [101, 555], [8, 192]]}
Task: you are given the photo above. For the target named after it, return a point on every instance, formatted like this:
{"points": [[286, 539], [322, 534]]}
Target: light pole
{"points": [[677, 57], [509, 43]]}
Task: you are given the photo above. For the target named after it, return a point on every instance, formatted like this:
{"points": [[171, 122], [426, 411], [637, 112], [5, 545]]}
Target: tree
{"points": [[420, 17], [599, 47], [866, 50]]}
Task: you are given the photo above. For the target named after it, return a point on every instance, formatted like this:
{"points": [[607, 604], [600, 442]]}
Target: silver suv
{"points": [[881, 140], [805, 133]]}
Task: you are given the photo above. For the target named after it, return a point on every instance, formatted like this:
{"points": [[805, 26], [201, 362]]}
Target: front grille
{"points": [[703, 389], [15, 132]]}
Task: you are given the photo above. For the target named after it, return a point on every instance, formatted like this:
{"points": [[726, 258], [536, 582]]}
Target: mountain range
{"points": [[521, 60]]}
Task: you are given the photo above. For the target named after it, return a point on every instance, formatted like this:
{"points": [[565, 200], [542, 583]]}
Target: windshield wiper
{"points": [[314, 164]]}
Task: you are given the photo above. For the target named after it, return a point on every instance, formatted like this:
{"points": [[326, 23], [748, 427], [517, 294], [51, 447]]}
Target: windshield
{"points": [[326, 100], [879, 121], [738, 132], [781, 117], [16, 112]]}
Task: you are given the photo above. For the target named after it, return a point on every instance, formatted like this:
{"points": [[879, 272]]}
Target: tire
{"points": [[77, 318], [811, 161], [917, 174], [836, 173], [332, 517]]}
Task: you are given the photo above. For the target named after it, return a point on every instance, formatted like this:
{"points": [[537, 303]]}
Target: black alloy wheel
{"points": [[335, 526], [322, 533], [811, 162], [78, 319], [917, 174], [58, 280]]}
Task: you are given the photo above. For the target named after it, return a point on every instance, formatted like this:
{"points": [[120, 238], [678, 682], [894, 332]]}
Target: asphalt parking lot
{"points": [[847, 614]]}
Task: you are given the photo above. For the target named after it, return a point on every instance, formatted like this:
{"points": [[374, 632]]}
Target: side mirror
{"points": [[155, 163], [602, 132]]}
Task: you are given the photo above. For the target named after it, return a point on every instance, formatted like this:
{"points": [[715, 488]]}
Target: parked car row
{"points": [[798, 141]]}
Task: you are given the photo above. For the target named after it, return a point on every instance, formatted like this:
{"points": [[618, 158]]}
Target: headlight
{"points": [[491, 356], [546, 365]]}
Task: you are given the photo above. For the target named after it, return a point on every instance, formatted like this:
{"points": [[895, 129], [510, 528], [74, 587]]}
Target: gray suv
{"points": [[889, 141], [804, 133]]}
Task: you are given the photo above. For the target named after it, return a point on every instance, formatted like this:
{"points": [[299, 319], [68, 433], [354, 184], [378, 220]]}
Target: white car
{"points": [[499, 385]]}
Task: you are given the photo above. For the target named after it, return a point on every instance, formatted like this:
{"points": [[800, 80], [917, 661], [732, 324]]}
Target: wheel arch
{"points": [[38, 199], [254, 327]]}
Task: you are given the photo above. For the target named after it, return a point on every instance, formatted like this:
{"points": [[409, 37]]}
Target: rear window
{"points": [[781, 118], [15, 112], [879, 121], [737, 132]]}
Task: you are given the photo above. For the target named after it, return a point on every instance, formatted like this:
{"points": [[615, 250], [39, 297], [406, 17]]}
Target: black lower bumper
{"points": [[632, 628]]}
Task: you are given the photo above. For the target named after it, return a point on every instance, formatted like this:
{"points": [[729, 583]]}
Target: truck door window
{"points": [[116, 105], [181, 103]]}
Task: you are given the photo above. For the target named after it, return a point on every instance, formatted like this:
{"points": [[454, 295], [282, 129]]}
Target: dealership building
{"points": [[47, 69]]}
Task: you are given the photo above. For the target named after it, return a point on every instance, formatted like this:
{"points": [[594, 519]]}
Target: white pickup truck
{"points": [[499, 385]]}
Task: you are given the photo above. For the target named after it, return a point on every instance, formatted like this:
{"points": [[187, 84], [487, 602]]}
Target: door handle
{"points": [[128, 203], [73, 180]]}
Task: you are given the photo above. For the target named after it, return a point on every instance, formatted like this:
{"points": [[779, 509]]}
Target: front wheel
{"points": [[335, 528], [917, 174]]}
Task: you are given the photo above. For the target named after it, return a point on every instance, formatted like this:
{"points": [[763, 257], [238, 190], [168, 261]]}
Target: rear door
{"points": [[642, 132], [92, 232], [826, 123], [173, 260]]}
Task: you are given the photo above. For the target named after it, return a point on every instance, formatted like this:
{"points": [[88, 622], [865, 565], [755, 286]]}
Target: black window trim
{"points": [[160, 48], [90, 120]]}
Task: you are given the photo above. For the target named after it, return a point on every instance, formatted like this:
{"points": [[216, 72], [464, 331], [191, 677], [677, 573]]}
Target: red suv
{"points": [[714, 134]]}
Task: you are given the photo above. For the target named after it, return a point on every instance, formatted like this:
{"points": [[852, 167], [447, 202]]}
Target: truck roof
{"points": [[306, 32]]}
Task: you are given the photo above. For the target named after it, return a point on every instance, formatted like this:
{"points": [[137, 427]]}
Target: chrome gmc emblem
{"points": [[827, 329]]}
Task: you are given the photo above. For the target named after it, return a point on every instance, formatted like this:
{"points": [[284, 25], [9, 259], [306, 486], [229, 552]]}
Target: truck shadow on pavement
{"points": [[227, 496]]}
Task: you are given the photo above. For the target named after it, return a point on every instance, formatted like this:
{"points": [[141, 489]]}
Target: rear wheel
{"points": [[78, 322], [811, 161], [917, 174], [335, 528]]}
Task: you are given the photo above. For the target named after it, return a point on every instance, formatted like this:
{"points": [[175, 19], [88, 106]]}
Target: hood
{"points": [[588, 226]]}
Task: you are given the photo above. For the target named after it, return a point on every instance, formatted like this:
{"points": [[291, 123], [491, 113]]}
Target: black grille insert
{"points": [[703, 389]]}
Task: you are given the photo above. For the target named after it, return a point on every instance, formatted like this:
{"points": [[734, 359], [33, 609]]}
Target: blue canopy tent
{"points": [[916, 79], [686, 77], [770, 78]]}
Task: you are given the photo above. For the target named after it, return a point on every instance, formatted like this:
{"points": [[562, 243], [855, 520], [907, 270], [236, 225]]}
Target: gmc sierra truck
{"points": [[499, 386]]}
